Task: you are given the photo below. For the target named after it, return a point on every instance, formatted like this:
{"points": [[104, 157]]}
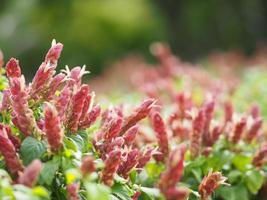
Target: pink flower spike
{"points": [[176, 194], [13, 68], [161, 134], [145, 157], [114, 128], [75, 75], [55, 84], [138, 114], [130, 135], [195, 139], [88, 165], [238, 130], [54, 52], [228, 111], [41, 80], [8, 151], [6, 100], [129, 164], [86, 106], [174, 170], [255, 111], [111, 166], [53, 130], [254, 130], [76, 105], [30, 175], [91, 117], [23, 115], [72, 191], [62, 101], [210, 183], [260, 157]]}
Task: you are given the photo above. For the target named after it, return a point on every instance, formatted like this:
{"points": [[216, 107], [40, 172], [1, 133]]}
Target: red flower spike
{"points": [[209, 111], [8, 151], [184, 103], [215, 134], [41, 80], [53, 53], [13, 68], [111, 166], [174, 170], [209, 184], [91, 117], [86, 106], [52, 128], [176, 194], [115, 143], [198, 125], [161, 134], [23, 115], [254, 130], [228, 111], [6, 100], [55, 84], [30, 175], [238, 130], [88, 165], [114, 129], [76, 104], [76, 75], [145, 157], [129, 164], [255, 111], [260, 157], [63, 101], [138, 114], [72, 191], [14, 139], [130, 135]]}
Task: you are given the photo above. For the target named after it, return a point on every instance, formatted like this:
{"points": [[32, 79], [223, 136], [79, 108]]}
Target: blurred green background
{"points": [[97, 32]]}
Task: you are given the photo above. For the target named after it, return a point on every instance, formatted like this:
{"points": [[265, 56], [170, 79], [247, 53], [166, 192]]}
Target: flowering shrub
{"points": [[56, 142]]}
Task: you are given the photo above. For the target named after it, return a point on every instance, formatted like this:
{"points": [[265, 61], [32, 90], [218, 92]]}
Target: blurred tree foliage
{"points": [[92, 31], [197, 27], [96, 32]]}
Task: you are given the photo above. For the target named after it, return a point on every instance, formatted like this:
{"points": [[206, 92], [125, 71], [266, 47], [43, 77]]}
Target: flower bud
{"points": [[13, 68], [90, 118], [54, 52], [238, 130], [260, 157], [130, 135]]}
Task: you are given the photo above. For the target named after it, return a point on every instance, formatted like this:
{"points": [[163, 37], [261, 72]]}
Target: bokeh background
{"points": [[98, 32]]}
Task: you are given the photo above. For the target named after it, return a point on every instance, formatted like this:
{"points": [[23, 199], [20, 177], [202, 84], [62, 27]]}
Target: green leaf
{"points": [[234, 176], [254, 180], [31, 149], [238, 192], [78, 140], [242, 162], [48, 172], [121, 192], [154, 170], [151, 192], [97, 191]]}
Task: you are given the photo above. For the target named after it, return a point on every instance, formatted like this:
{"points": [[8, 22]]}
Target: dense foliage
{"points": [[185, 141]]}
